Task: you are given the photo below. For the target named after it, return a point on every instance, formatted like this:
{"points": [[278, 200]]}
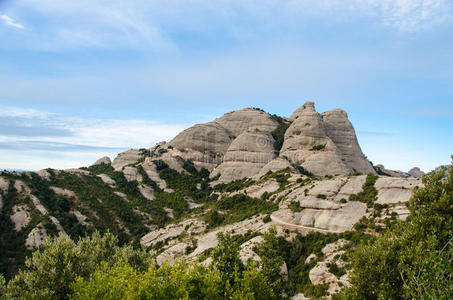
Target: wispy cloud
{"points": [[10, 22], [50, 134]]}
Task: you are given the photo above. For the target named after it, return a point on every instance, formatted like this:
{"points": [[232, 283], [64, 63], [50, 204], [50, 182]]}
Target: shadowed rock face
{"points": [[323, 144]]}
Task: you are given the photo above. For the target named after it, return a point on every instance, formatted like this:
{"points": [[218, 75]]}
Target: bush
{"points": [[51, 270], [318, 147], [279, 133], [411, 260]]}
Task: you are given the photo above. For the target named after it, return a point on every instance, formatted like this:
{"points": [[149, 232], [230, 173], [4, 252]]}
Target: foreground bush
{"points": [[50, 271], [413, 259]]}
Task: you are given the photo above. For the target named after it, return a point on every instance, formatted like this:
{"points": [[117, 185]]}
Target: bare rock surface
{"points": [[396, 190], [106, 179], [63, 192], [274, 166], [246, 252], [323, 144], [36, 237], [392, 173], [126, 158], [340, 130], [171, 254], [20, 216], [77, 171], [416, 173], [256, 191], [206, 143], [153, 174], [146, 191], [246, 156], [131, 174], [103, 160], [44, 174]]}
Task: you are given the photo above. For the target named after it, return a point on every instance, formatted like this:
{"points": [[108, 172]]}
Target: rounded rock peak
{"points": [[309, 104], [308, 107], [337, 112]]}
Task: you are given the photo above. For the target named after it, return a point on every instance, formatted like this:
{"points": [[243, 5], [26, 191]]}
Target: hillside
{"points": [[244, 173]]}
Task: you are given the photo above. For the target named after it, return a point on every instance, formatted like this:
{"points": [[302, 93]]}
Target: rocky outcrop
{"points": [[126, 158], [246, 155], [206, 144], [324, 205], [416, 173], [323, 144], [103, 160], [36, 237], [20, 216], [131, 174], [381, 170], [340, 130]]}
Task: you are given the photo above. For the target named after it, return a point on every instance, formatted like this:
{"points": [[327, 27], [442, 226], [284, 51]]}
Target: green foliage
{"points": [[271, 261], [51, 270], [335, 270], [369, 193], [102, 168], [234, 185], [2, 286], [267, 219], [318, 147], [321, 196], [180, 281], [411, 259], [295, 206], [302, 170], [239, 207], [279, 132]]}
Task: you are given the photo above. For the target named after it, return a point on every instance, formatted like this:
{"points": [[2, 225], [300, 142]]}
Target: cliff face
{"points": [[324, 144], [239, 144]]}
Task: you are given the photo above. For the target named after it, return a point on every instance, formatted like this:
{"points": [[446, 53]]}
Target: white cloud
{"points": [[10, 22], [90, 138]]}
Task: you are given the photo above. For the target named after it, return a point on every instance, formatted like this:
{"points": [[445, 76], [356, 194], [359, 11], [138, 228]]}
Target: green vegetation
{"points": [[369, 193], [411, 260], [318, 147], [97, 267], [237, 208], [279, 133], [234, 185], [50, 272]]}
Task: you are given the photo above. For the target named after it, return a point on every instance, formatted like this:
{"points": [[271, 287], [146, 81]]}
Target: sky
{"points": [[83, 79]]}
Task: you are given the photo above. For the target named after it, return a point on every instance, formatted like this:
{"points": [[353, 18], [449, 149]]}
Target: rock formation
{"points": [[416, 173], [323, 144], [207, 144], [246, 155], [103, 160]]}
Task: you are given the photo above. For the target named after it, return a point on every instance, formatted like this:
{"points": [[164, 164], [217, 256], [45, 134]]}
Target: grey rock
{"points": [[340, 130], [246, 156], [36, 237], [103, 160], [416, 173], [206, 144], [126, 158], [332, 132]]}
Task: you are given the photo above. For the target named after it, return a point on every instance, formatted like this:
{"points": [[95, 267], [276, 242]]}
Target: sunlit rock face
{"points": [[324, 144]]}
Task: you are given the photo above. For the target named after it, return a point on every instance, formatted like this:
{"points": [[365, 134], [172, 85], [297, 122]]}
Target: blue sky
{"points": [[88, 78]]}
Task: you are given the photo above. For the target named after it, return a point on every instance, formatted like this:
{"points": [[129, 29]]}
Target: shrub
{"points": [[318, 147], [51, 270], [411, 260]]}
